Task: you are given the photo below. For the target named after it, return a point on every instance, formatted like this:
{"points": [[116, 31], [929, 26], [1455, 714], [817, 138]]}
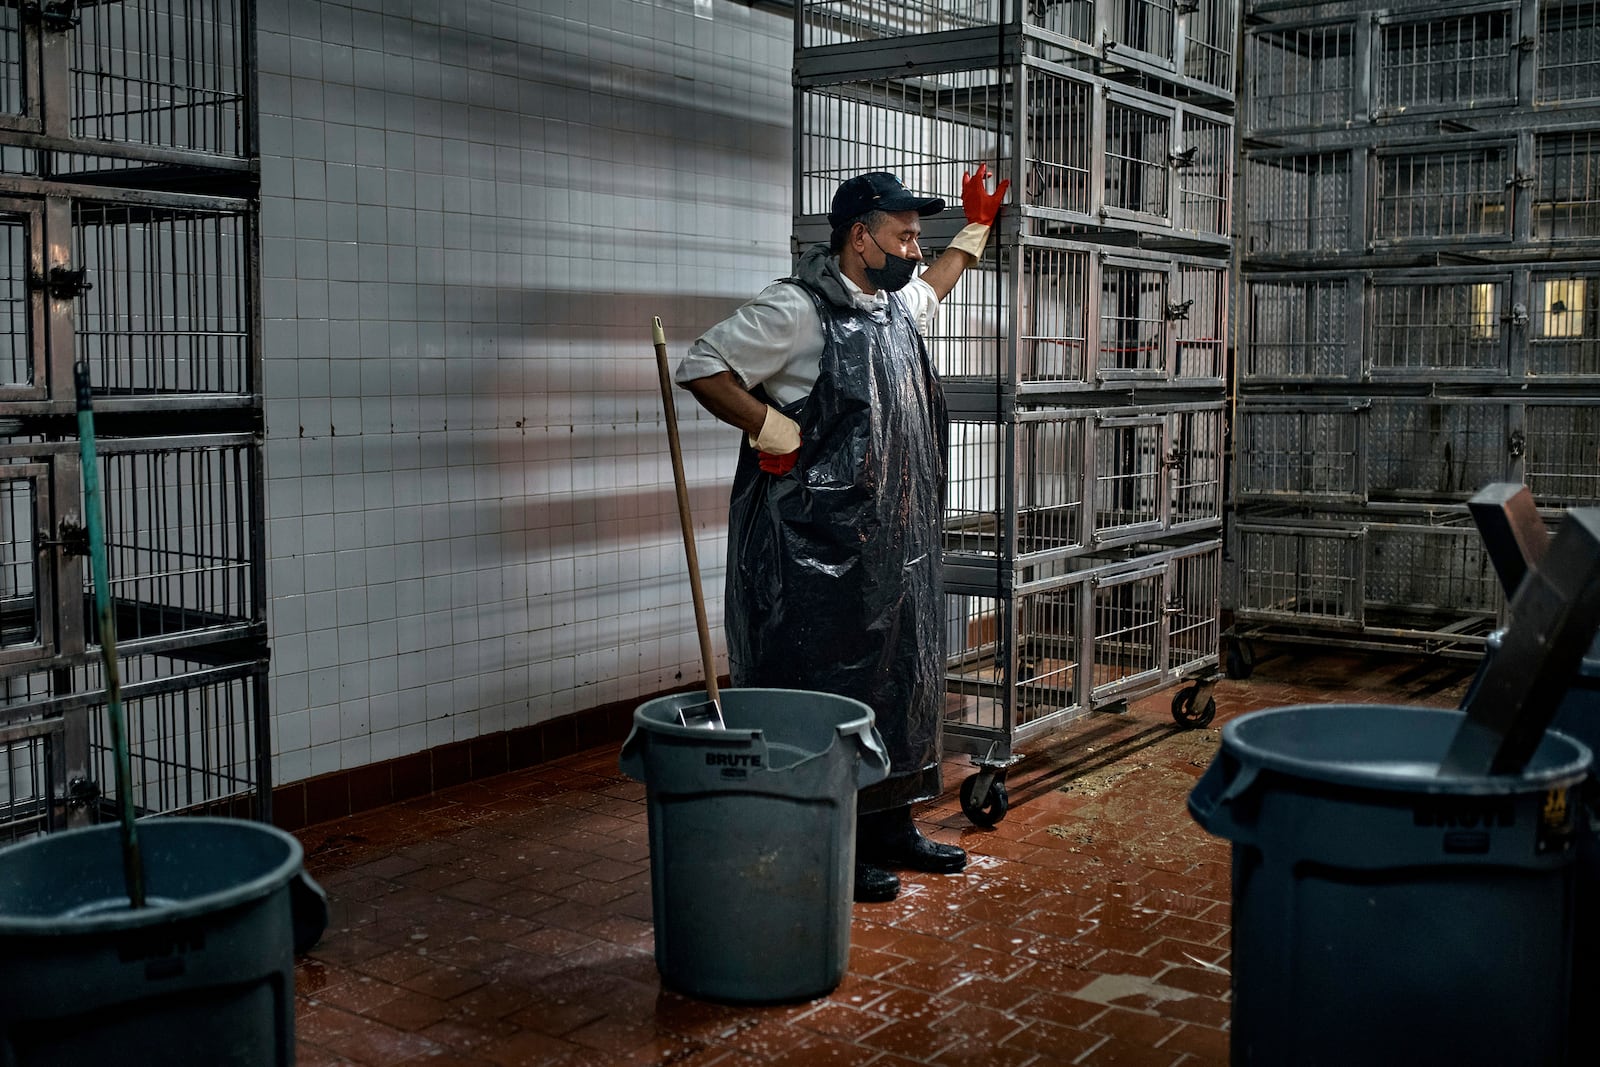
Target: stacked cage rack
{"points": [[1084, 358], [1418, 262], [128, 192]]}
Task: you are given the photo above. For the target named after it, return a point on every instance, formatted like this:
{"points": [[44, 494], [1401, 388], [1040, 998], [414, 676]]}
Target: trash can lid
{"points": [[1385, 747]]}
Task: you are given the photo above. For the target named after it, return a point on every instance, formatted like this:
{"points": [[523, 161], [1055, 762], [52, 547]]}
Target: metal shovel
{"points": [[709, 714]]}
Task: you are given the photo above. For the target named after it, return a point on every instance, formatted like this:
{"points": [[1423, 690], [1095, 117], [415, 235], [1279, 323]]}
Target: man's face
{"points": [[897, 236]]}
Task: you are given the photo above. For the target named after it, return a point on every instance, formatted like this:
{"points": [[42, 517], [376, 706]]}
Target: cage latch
{"points": [[71, 538], [83, 793], [1527, 43], [1184, 157], [1518, 316], [1516, 444], [1186, 7], [1174, 603], [57, 17], [64, 283], [1179, 312], [1519, 181], [1177, 457]]}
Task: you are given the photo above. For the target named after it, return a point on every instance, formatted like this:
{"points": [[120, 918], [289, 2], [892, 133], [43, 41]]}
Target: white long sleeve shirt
{"points": [[775, 339]]}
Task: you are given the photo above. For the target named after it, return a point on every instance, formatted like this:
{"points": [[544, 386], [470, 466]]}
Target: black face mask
{"points": [[895, 273]]}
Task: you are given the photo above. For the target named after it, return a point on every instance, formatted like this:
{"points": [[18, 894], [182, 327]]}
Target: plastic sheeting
{"points": [[834, 569]]}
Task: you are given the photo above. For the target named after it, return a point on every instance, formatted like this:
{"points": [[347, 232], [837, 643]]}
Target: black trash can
{"points": [[752, 839], [1383, 913]]}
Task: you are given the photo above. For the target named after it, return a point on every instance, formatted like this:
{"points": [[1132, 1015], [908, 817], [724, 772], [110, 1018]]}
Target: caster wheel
{"points": [[994, 805], [1184, 713], [1241, 659]]}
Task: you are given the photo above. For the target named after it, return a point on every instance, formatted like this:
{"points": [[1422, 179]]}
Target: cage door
{"points": [[27, 608], [24, 367], [19, 68]]}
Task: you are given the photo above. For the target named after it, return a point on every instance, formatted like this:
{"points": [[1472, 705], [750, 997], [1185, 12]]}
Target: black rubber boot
{"points": [[889, 838], [874, 885]]}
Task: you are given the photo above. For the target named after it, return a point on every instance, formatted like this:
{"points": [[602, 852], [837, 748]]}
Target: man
{"points": [[834, 520]]}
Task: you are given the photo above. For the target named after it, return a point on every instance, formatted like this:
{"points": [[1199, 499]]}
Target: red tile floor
{"points": [[508, 921]]}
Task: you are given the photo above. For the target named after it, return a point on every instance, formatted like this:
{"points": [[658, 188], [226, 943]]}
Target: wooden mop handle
{"points": [[707, 661]]}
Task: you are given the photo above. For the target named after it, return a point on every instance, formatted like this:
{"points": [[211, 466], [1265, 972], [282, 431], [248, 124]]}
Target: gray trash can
{"points": [[1385, 914], [203, 974], [752, 839]]}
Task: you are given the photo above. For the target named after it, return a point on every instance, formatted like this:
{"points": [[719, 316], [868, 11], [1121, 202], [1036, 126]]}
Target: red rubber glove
{"points": [[982, 207], [774, 464]]}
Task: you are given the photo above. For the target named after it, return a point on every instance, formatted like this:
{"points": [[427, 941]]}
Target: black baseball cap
{"points": [[877, 191]]}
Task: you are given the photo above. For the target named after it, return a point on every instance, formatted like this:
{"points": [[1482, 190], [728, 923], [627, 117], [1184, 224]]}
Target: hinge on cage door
{"points": [[71, 538], [1179, 312], [1516, 444], [1183, 157], [1518, 315], [58, 17], [63, 283]]}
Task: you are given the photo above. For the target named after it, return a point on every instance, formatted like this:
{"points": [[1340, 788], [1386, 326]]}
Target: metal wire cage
{"points": [[170, 310], [1301, 329], [1455, 193], [1300, 77], [1564, 333], [1568, 51], [1420, 329], [1562, 464], [1043, 480], [180, 528], [29, 757], [1302, 450], [1566, 186], [1299, 202], [1446, 60]]}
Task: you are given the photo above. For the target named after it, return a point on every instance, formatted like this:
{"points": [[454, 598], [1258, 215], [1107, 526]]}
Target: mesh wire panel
{"points": [[1128, 621], [1133, 320], [192, 746], [1044, 629], [1299, 203], [13, 69], [167, 73], [1562, 462], [1204, 186], [1456, 59], [1455, 193], [1569, 51], [26, 786], [1137, 146], [826, 22], [1439, 326], [1299, 329], [1564, 329], [1300, 77], [169, 311], [1194, 482], [1053, 341], [1128, 459], [16, 348], [1143, 25], [1060, 145], [1429, 448], [1292, 573], [1047, 476], [1199, 317], [1429, 568], [1208, 44], [1297, 452], [19, 562], [966, 337], [178, 524], [926, 130], [1566, 193], [1193, 606]]}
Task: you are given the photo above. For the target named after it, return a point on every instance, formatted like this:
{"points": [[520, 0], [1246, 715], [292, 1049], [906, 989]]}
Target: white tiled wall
{"points": [[471, 210]]}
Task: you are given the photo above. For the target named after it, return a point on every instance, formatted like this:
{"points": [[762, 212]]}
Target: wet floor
{"points": [[508, 921]]}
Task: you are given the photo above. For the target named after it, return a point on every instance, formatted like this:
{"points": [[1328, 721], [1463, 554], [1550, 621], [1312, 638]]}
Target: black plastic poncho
{"points": [[833, 580]]}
